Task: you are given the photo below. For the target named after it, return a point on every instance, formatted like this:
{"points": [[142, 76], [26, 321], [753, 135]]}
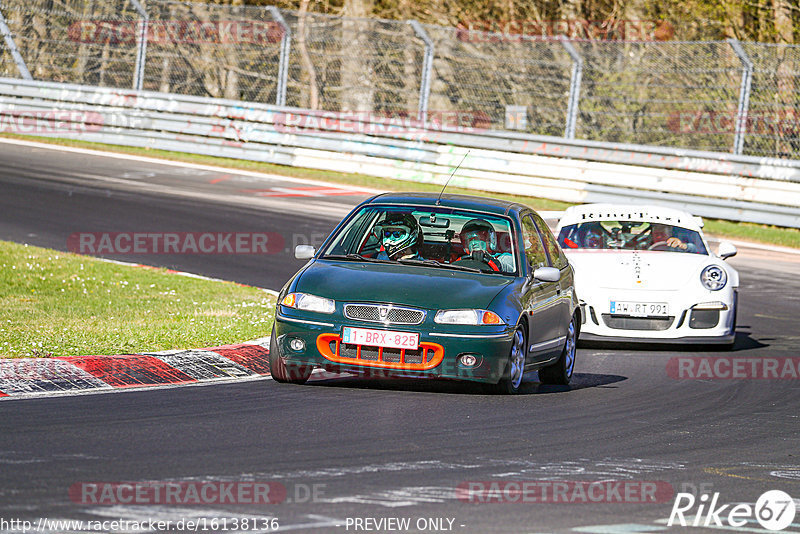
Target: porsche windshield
{"points": [[431, 236], [631, 235]]}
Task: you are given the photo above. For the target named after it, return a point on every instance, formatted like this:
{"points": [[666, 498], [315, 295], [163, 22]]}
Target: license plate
{"points": [[380, 338], [639, 309]]}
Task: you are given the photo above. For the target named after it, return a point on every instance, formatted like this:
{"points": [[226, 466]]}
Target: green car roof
{"points": [[468, 202]]}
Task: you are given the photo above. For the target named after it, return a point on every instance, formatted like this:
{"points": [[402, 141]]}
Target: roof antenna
{"points": [[438, 200]]}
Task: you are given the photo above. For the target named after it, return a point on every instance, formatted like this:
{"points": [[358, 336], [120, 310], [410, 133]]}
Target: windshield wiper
{"points": [[355, 257], [434, 263]]}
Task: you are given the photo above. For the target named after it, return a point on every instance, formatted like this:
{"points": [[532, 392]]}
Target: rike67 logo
{"points": [[774, 510]]}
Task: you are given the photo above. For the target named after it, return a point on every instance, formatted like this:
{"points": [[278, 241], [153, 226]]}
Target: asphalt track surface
{"points": [[379, 449]]}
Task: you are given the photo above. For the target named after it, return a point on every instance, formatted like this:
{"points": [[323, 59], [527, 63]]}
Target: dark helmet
{"points": [[591, 235], [478, 234], [397, 232]]}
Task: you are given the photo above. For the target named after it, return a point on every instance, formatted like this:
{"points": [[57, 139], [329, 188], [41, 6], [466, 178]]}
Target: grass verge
{"points": [[59, 304], [759, 233]]}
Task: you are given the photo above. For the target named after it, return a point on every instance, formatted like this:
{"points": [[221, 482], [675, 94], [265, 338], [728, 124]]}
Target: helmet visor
{"points": [[393, 235]]}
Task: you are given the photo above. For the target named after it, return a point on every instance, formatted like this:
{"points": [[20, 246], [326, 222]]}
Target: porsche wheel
{"points": [[281, 372], [515, 368], [561, 371]]}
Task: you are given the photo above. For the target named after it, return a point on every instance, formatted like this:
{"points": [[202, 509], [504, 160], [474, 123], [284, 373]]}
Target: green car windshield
{"points": [[427, 236]]}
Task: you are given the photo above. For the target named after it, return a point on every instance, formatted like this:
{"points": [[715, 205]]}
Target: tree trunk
{"points": [[164, 84], [782, 15], [104, 65], [356, 78], [571, 10], [412, 75], [231, 90], [308, 65], [787, 113]]}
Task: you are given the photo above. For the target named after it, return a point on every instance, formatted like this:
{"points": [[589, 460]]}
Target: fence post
{"points": [[574, 87], [283, 65], [427, 68], [744, 95], [141, 46], [12, 48]]}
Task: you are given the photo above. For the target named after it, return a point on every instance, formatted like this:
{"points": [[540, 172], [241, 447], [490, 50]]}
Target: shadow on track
{"points": [[529, 387], [744, 341]]}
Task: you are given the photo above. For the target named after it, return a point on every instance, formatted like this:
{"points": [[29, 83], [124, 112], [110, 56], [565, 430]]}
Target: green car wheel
{"points": [[515, 368], [281, 372], [561, 371]]}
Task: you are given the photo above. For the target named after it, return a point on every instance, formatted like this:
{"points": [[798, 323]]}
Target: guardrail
{"points": [[724, 186]]}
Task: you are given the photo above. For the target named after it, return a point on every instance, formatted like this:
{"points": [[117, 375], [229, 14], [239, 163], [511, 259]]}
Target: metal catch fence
{"points": [[722, 96]]}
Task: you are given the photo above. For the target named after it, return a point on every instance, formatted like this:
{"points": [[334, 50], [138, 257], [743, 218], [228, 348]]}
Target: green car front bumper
{"points": [[303, 340]]}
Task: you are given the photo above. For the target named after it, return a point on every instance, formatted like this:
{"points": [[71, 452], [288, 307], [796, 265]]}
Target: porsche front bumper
{"points": [[707, 318]]}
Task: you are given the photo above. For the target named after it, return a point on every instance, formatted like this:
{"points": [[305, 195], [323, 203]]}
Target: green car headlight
{"points": [[306, 302], [472, 317]]}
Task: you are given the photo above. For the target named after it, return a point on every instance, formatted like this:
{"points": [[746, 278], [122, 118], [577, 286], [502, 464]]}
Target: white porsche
{"points": [[646, 274]]}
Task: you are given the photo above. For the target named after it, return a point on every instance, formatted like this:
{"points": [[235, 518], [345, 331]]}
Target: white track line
{"points": [[132, 389], [158, 161], [198, 166], [183, 273]]}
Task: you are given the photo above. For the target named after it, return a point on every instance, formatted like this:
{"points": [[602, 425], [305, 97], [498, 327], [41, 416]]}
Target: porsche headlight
{"points": [[473, 317], [313, 303], [713, 277]]}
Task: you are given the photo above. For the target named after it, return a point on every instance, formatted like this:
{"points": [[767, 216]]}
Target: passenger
{"points": [[400, 237], [590, 235]]}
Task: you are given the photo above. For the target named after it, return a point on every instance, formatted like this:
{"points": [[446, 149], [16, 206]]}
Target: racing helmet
{"points": [[478, 234], [592, 236], [398, 231]]}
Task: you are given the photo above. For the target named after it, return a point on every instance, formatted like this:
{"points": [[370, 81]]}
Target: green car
{"points": [[430, 286]]}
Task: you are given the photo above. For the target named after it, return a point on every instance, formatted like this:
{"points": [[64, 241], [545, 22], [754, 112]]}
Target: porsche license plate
{"points": [[380, 338], [639, 309]]}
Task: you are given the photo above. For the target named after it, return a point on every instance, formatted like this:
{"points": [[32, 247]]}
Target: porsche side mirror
{"points": [[547, 274], [304, 252], [726, 250]]}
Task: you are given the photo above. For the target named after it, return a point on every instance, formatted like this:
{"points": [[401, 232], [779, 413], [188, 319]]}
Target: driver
{"points": [[662, 233], [399, 235], [479, 240]]}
